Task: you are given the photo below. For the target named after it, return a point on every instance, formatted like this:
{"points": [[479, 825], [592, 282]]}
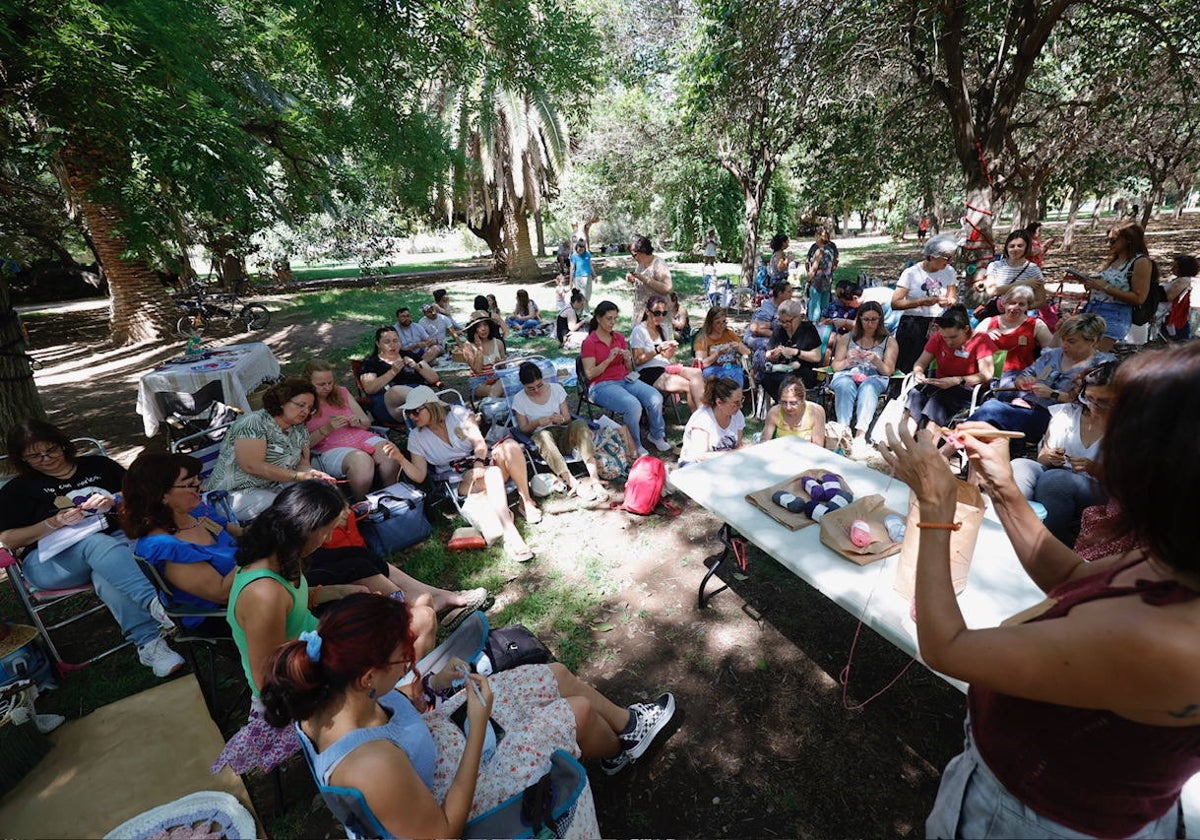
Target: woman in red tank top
{"points": [[1084, 715]]}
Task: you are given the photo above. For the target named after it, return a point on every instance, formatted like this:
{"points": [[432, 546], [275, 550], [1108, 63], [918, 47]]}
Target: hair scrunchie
{"points": [[312, 646]]}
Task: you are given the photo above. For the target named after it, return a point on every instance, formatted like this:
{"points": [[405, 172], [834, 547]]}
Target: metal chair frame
{"points": [[35, 601]]}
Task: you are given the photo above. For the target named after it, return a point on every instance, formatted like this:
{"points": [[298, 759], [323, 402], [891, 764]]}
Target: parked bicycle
{"points": [[213, 311]]}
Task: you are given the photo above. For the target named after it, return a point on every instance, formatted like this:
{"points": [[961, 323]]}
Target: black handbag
{"points": [[512, 646]]}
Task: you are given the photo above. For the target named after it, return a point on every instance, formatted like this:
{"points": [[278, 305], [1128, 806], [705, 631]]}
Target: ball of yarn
{"points": [[895, 526], [812, 487], [788, 500], [860, 533], [815, 509]]}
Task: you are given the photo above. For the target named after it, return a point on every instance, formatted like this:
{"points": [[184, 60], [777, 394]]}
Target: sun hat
{"points": [[478, 317], [419, 396], [14, 637]]}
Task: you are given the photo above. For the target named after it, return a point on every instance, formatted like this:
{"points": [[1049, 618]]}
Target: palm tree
{"points": [[511, 148]]}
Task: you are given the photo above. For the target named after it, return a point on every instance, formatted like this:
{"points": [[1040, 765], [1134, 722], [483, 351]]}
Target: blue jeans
{"points": [[629, 399], [865, 394], [523, 323], [105, 561], [1064, 493], [971, 802]]}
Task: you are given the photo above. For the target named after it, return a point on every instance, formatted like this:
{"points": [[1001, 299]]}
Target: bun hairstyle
{"points": [[284, 527], [357, 633], [942, 245], [641, 245], [719, 388]]}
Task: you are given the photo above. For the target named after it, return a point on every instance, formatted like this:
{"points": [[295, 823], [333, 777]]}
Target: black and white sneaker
{"points": [[646, 720]]}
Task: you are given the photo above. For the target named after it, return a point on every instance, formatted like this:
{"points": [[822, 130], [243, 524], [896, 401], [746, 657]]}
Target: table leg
{"points": [[727, 537]]}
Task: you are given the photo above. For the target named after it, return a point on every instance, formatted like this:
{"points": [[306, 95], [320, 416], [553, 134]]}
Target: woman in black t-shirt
{"points": [[56, 490], [794, 350]]}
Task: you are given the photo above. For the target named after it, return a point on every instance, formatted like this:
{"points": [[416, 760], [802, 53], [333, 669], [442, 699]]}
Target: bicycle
{"points": [[204, 311]]}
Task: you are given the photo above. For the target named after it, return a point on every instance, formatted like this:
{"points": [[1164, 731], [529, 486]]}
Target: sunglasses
{"points": [[658, 313], [413, 412]]}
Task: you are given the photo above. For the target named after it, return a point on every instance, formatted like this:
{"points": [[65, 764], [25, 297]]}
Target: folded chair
{"points": [[36, 601], [196, 414]]}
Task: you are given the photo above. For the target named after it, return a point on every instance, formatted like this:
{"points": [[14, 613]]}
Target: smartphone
{"points": [[1076, 273], [459, 719]]}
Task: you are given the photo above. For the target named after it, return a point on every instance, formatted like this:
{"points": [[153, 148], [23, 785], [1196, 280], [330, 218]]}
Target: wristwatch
{"points": [[1054, 395]]}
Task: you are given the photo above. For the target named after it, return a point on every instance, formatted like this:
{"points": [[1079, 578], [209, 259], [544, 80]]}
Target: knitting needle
{"points": [[983, 434]]}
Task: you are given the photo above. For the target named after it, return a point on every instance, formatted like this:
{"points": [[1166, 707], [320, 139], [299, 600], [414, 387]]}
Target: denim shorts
{"points": [[1118, 317], [971, 802]]}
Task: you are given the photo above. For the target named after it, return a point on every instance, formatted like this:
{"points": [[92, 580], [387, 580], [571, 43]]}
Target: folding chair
{"points": [[35, 601], [512, 386], [583, 399], [200, 637], [187, 415]]}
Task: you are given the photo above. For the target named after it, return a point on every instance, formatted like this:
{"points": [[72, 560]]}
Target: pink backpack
{"points": [[643, 488]]}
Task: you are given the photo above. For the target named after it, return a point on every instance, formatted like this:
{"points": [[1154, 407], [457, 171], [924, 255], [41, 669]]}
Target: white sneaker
{"points": [[44, 723], [159, 657], [159, 614], [641, 450], [660, 444]]}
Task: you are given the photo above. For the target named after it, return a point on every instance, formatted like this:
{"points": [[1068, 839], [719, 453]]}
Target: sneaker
{"points": [[613, 766], [160, 658], [646, 720], [641, 450], [159, 613], [44, 723], [660, 444]]}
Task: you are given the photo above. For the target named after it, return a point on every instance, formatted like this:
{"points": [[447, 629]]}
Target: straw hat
{"points": [[478, 317], [15, 636], [419, 396]]}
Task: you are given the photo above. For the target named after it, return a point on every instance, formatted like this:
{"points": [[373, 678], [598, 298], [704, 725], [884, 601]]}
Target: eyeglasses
{"points": [[874, 320], [413, 412], [658, 313], [792, 403], [738, 401], [189, 485], [307, 407], [534, 387], [47, 454]]}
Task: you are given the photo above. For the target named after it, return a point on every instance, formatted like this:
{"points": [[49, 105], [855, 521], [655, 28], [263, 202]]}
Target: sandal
{"points": [[452, 619], [521, 556], [532, 513]]}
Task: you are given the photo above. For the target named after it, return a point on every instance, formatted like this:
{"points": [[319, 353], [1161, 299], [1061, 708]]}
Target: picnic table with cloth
{"points": [[239, 367], [997, 585]]}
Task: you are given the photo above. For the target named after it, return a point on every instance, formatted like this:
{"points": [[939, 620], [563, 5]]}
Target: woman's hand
{"points": [[101, 502], [989, 457], [1085, 465], [478, 712], [1049, 457], [917, 462], [339, 421], [317, 475], [445, 678], [67, 517]]}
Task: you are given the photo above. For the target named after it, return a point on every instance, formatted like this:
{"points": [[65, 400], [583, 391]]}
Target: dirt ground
{"points": [[769, 742]]}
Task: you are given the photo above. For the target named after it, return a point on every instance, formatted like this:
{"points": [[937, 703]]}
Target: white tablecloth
{"points": [[997, 585], [239, 367]]}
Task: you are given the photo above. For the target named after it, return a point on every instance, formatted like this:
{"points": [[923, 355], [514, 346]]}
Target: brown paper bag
{"points": [[835, 530], [761, 499], [962, 542]]}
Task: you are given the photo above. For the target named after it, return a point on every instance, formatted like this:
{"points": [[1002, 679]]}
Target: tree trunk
{"points": [[139, 307], [977, 229], [752, 194], [521, 264], [491, 231], [541, 234], [1072, 215], [19, 399]]}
